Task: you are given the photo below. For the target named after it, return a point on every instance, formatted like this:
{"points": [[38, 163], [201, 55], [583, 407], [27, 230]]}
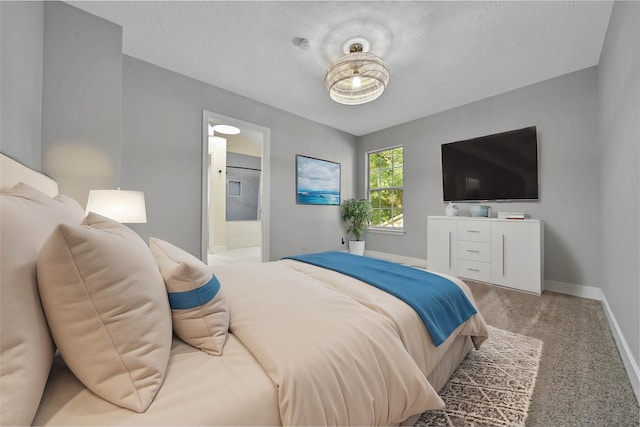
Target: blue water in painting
{"points": [[318, 198]]}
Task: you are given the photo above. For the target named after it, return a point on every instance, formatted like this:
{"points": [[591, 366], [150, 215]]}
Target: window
{"points": [[386, 180], [234, 188]]}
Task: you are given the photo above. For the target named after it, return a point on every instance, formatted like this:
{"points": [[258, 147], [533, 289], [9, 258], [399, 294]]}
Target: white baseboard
{"points": [[623, 348], [590, 292], [400, 259]]}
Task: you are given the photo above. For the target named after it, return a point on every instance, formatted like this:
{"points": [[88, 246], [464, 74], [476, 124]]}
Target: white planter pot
{"points": [[356, 247]]}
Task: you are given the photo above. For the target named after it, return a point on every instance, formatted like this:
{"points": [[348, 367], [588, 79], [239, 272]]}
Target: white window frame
{"points": [[384, 229]]}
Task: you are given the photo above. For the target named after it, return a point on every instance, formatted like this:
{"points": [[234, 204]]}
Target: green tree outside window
{"points": [[386, 180]]}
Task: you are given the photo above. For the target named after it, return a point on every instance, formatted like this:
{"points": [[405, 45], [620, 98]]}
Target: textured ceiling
{"points": [[440, 54]]}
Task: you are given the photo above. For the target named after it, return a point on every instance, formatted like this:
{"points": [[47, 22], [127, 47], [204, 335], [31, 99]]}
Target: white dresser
{"points": [[504, 252]]}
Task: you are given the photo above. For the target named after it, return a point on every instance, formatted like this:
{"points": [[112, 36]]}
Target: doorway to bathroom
{"points": [[235, 196]]}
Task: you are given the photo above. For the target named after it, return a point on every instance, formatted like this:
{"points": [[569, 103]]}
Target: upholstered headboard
{"points": [[13, 172], [29, 216]]}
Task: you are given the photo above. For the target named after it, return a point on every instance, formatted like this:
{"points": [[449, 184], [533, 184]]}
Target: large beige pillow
{"points": [[107, 308], [199, 310], [27, 217]]}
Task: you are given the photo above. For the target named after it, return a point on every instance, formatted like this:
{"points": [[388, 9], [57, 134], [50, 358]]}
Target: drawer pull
{"points": [[473, 231], [473, 269], [503, 254], [473, 250], [449, 249]]}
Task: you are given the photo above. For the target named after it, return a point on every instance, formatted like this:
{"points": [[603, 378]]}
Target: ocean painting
{"points": [[317, 181]]}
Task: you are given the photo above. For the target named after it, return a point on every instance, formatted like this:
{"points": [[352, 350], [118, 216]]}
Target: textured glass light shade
{"points": [[356, 78], [122, 206]]}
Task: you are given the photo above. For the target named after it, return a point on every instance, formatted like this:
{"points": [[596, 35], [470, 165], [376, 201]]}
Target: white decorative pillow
{"points": [[27, 217], [200, 313], [107, 309]]}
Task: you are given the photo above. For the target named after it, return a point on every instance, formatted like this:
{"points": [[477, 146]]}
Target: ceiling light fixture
{"points": [[225, 129], [357, 77]]}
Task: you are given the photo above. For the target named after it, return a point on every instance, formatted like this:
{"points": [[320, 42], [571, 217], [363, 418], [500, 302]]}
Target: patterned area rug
{"points": [[492, 386]]}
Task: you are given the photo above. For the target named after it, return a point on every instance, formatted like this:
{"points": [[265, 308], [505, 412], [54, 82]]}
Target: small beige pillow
{"points": [[107, 309], [200, 313], [27, 217]]}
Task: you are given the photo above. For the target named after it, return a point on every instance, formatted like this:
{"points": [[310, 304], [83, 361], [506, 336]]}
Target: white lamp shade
{"points": [[119, 205]]}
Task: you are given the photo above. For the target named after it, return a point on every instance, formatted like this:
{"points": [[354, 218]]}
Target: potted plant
{"points": [[357, 214]]}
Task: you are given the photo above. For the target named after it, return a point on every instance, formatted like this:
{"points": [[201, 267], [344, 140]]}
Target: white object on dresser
{"points": [[451, 210], [504, 252], [511, 215]]}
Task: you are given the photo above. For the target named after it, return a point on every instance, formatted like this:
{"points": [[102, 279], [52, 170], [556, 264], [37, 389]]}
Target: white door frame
{"points": [[207, 117]]}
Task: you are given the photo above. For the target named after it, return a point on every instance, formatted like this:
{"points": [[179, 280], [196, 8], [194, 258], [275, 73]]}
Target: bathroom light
{"points": [[226, 129], [122, 206], [357, 77]]}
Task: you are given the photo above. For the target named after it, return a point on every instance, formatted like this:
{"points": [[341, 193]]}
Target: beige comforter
{"points": [[338, 352], [309, 346]]}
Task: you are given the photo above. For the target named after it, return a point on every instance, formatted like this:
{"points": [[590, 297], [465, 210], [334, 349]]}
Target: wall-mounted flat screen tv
{"points": [[502, 166]]}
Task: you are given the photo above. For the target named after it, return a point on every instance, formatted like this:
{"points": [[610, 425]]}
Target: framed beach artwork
{"points": [[317, 181]]}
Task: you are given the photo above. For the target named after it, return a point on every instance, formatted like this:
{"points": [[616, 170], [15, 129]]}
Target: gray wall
{"points": [[564, 111], [162, 148], [21, 35], [81, 100], [619, 142]]}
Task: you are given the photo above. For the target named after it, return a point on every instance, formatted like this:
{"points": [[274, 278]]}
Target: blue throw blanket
{"points": [[441, 304]]}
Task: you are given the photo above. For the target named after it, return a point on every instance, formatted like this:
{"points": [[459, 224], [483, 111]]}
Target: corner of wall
{"points": [[21, 35]]}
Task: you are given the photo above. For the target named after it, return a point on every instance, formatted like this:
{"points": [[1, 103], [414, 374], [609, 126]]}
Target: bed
{"points": [[304, 345]]}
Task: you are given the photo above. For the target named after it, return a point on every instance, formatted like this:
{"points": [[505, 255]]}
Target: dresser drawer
{"points": [[474, 251], [475, 231], [475, 270]]}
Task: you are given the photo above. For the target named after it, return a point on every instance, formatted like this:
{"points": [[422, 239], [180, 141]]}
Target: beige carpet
{"points": [[581, 379], [492, 386]]}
